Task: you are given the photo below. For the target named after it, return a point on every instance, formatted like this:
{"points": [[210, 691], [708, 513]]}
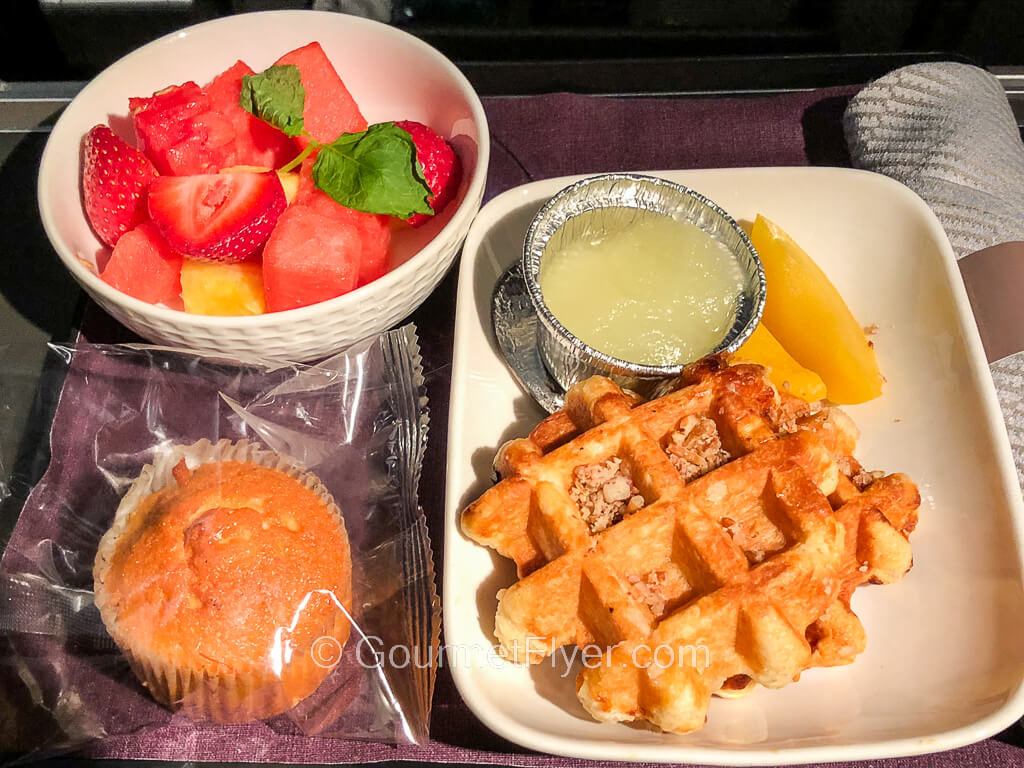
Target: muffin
{"points": [[226, 581]]}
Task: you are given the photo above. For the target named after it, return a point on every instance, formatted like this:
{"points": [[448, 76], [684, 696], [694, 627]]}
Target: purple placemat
{"points": [[533, 138]]}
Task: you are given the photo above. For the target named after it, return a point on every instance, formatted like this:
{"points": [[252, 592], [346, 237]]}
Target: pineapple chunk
{"points": [[290, 184], [808, 317], [222, 289], [785, 372], [289, 181]]}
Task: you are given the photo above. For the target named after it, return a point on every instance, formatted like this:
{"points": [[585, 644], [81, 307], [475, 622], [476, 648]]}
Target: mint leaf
{"points": [[375, 171], [275, 96]]}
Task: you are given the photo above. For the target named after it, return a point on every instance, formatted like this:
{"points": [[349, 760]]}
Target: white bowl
{"points": [[392, 76]]}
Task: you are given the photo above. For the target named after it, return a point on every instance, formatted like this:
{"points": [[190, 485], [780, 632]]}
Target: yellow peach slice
{"points": [[785, 372], [808, 317], [222, 289]]}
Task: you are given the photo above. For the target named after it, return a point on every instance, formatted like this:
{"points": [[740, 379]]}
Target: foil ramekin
{"points": [[570, 360]]}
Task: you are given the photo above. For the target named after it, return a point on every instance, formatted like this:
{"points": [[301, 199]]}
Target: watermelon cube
{"points": [[143, 265], [329, 110], [376, 233], [181, 133], [309, 258], [256, 143], [374, 229]]}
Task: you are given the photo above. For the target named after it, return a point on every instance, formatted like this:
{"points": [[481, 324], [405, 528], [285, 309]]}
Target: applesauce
{"points": [[642, 286]]}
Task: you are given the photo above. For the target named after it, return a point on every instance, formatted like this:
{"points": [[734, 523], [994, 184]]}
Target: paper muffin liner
{"points": [[225, 695]]}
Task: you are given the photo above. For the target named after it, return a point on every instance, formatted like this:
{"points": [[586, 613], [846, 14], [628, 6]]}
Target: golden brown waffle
{"points": [[716, 528]]}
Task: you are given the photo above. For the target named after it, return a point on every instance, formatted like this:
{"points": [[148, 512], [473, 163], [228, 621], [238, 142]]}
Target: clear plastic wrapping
{"points": [[199, 571]]}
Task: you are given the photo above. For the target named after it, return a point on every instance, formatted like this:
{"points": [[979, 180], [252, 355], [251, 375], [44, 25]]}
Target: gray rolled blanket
{"points": [[946, 131]]}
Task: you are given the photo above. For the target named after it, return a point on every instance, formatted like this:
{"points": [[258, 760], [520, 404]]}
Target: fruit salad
{"points": [[258, 192]]}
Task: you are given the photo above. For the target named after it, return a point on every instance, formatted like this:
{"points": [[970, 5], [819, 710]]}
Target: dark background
{"points": [[75, 39]]}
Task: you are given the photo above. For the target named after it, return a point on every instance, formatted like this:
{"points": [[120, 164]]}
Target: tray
{"points": [[944, 664]]}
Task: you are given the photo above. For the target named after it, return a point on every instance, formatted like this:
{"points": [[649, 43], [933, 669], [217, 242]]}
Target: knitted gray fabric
{"points": [[946, 131]]}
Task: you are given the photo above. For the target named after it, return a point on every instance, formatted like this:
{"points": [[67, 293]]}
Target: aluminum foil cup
{"points": [[570, 360]]}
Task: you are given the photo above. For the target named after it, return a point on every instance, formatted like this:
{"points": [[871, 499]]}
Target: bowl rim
{"points": [[392, 279], [531, 258]]}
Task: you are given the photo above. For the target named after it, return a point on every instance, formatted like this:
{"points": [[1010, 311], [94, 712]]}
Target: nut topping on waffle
{"points": [[604, 493], [708, 540], [694, 447]]}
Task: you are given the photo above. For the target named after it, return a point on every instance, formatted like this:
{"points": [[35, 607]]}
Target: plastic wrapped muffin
{"points": [[224, 569]]}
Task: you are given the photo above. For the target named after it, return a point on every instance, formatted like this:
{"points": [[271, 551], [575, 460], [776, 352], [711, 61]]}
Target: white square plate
{"points": [[945, 658]]}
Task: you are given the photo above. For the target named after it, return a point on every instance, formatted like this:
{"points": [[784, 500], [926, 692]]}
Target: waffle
{"points": [[696, 544]]}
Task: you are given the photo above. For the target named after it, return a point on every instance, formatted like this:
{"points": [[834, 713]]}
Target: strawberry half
{"points": [[441, 167], [223, 217], [115, 179]]}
